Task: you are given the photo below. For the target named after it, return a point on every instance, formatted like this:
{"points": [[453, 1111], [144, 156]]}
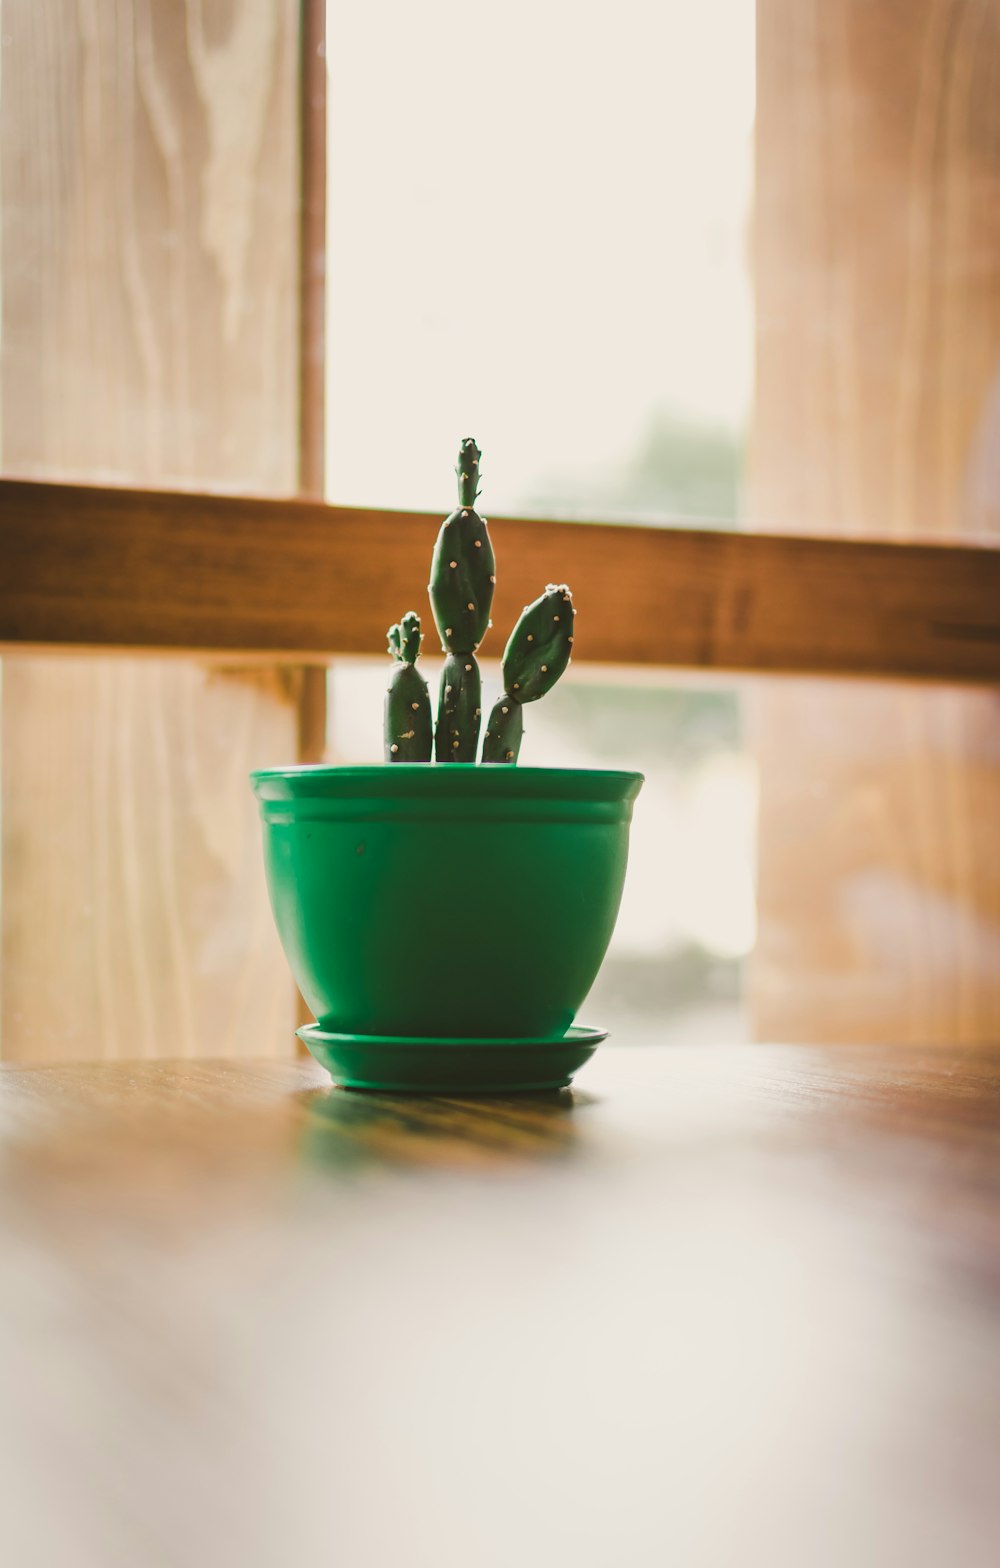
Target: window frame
{"points": [[168, 572], [127, 569]]}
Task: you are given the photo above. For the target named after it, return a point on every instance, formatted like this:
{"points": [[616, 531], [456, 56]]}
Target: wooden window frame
{"points": [[90, 568], [82, 567]]}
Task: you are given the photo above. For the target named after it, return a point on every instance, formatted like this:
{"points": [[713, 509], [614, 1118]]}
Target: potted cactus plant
{"points": [[463, 577], [445, 917]]}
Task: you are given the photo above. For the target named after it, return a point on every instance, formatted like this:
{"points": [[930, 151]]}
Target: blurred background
{"points": [[731, 265], [577, 294], [573, 196]]}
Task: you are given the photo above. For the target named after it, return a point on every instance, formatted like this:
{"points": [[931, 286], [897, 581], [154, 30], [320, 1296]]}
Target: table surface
{"points": [[714, 1306]]}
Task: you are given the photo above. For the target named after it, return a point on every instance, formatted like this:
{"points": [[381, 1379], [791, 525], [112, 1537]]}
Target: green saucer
{"points": [[426, 1066]]}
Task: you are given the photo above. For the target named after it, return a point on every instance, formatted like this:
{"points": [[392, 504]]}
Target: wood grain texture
{"points": [[150, 235], [877, 410], [312, 250], [150, 333], [135, 913], [313, 721], [132, 569], [877, 268], [712, 1306]]}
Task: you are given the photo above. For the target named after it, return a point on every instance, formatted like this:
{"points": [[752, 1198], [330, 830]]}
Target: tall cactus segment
{"points": [[537, 653], [463, 568], [407, 700], [463, 576]]}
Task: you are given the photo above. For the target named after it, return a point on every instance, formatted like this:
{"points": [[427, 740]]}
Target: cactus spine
{"points": [[407, 716], [536, 655], [463, 575]]}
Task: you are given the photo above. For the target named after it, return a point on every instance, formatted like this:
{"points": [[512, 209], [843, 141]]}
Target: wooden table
{"points": [[717, 1306]]}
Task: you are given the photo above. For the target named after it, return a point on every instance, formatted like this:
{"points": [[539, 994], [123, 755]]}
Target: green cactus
{"points": [[407, 721], [467, 470], [540, 645], [459, 710], [463, 576], [502, 740], [463, 569], [537, 653]]}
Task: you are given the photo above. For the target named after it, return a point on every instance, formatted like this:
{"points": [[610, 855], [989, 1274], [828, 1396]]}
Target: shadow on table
{"points": [[343, 1128]]}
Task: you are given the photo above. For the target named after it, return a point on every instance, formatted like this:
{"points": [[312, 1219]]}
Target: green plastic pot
{"points": [[446, 902]]}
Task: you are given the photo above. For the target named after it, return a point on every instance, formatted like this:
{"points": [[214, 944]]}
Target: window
{"points": [[729, 276]]}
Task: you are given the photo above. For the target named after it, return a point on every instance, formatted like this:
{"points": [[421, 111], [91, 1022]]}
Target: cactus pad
{"points": [[502, 740], [410, 637], [467, 470], [463, 568], [459, 709], [540, 645]]}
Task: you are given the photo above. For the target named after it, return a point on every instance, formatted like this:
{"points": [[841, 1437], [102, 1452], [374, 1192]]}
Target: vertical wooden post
{"points": [[877, 270], [313, 692], [151, 269], [312, 251], [312, 705]]}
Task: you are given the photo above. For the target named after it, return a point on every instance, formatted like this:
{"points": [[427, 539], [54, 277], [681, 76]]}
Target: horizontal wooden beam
{"points": [[82, 567]]}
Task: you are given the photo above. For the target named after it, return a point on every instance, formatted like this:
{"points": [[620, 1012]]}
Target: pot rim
{"points": [[437, 781]]}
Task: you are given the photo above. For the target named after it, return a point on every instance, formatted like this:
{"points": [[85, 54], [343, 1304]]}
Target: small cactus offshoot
{"points": [[407, 721], [463, 577], [536, 655]]}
